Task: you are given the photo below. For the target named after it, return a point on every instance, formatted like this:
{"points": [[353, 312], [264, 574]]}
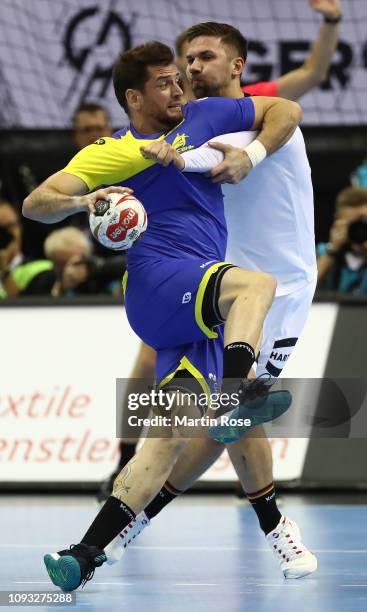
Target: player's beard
{"points": [[175, 119], [202, 89], [168, 121]]}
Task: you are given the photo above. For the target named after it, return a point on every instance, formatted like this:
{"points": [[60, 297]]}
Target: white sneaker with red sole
{"points": [[294, 558]]}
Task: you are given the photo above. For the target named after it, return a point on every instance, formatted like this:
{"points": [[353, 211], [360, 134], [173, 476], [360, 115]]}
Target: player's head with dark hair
{"points": [[146, 82], [215, 54], [227, 34], [131, 71], [91, 121]]}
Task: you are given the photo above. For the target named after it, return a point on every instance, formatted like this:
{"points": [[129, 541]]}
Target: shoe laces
{"points": [[91, 556], [257, 388], [285, 543]]}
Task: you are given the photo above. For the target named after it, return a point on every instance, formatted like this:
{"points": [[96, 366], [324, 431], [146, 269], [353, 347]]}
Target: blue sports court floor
{"points": [[202, 554]]}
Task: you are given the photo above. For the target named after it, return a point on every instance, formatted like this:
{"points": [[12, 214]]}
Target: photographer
{"points": [[342, 261], [78, 272], [18, 275]]}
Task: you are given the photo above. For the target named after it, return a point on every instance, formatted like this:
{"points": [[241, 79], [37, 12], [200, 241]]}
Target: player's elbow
{"points": [[28, 207], [296, 113], [289, 111]]}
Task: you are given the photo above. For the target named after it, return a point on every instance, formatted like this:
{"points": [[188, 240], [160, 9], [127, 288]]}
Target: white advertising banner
{"points": [[56, 54], [57, 401], [58, 392]]}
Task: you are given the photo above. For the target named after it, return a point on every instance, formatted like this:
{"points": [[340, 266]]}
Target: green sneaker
{"points": [[68, 569], [257, 404]]}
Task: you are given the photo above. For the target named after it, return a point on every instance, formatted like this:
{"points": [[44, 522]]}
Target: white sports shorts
{"points": [[282, 328]]}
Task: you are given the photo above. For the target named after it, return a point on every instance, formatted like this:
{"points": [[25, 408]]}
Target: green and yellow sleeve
{"points": [[108, 161]]}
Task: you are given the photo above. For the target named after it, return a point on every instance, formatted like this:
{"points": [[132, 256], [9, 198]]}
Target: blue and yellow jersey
{"points": [[185, 210]]}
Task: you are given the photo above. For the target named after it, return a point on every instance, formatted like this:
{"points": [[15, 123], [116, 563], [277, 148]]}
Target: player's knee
{"points": [[241, 285], [169, 449], [266, 285], [260, 287]]}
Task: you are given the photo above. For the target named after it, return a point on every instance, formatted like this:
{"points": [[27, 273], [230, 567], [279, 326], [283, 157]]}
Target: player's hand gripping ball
{"points": [[119, 221]]}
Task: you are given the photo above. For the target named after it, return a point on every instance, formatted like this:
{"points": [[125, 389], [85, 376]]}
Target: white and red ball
{"points": [[122, 223]]}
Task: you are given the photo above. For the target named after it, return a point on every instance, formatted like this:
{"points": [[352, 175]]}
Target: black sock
{"points": [[127, 451], [238, 360], [265, 505], [111, 519], [164, 497]]}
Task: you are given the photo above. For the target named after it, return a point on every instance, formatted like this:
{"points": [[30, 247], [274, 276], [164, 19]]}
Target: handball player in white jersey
{"points": [[270, 228], [270, 220]]}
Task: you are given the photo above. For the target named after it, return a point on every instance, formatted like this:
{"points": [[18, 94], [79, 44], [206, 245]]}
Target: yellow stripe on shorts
{"points": [[200, 297], [185, 364]]}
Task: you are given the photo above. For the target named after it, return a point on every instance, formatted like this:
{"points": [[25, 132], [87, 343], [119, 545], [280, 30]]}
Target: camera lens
{"points": [[357, 232], [5, 237]]}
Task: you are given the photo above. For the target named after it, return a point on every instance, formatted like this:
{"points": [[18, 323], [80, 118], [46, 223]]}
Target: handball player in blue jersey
{"points": [[179, 288]]}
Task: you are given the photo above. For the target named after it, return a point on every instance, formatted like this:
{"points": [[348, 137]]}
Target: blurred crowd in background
{"points": [[73, 263], [65, 260]]}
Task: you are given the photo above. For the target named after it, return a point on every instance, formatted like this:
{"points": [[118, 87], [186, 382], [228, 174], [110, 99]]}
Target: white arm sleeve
{"points": [[204, 158]]}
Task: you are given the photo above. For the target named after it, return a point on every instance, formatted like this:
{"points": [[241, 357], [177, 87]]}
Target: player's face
{"points": [[89, 126], [162, 97], [209, 66]]}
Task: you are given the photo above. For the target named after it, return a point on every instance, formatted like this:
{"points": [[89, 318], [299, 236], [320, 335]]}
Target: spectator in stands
{"points": [[18, 275], [342, 261], [78, 272], [23, 173], [91, 122]]}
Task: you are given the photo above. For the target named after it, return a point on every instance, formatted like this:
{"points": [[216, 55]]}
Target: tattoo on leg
{"points": [[121, 486]]}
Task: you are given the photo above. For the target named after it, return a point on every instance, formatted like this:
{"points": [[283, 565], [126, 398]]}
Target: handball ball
{"points": [[119, 221]]}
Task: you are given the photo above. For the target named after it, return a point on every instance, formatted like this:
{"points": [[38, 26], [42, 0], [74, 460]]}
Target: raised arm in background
{"points": [[298, 82]]}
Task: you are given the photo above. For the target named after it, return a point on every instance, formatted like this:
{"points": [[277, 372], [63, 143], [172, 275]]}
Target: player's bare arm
{"points": [[62, 195], [277, 120], [298, 82]]}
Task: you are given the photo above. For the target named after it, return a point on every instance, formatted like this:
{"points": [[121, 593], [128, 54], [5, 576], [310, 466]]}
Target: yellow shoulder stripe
{"points": [[114, 161], [111, 160]]}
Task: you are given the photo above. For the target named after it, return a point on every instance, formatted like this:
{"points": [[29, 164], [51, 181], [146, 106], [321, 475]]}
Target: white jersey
{"points": [[270, 213]]}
